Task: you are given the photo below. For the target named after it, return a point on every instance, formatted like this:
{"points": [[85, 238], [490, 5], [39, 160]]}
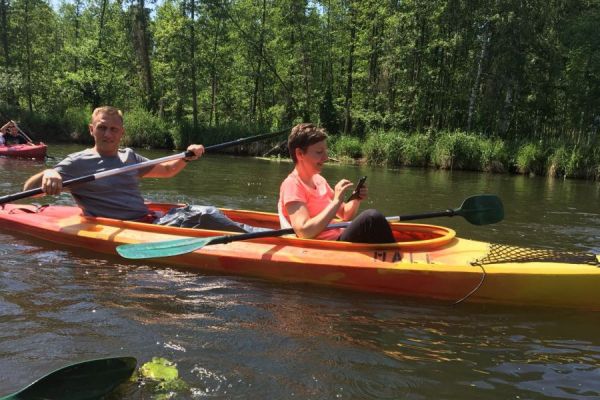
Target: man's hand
{"points": [[197, 149], [51, 182]]}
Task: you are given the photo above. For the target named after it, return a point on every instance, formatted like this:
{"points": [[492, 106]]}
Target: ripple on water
{"points": [[243, 338]]}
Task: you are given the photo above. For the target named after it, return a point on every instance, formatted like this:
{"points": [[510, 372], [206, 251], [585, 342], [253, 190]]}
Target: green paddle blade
{"points": [[483, 209], [81, 381], [168, 248]]}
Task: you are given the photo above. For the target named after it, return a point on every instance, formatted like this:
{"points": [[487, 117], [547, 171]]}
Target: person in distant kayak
{"points": [[308, 204], [11, 134], [118, 196]]}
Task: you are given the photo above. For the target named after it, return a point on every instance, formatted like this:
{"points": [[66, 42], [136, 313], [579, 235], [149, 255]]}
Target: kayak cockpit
{"points": [[409, 236]]}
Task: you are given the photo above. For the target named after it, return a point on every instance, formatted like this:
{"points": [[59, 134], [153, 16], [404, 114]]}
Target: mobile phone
{"points": [[356, 193]]}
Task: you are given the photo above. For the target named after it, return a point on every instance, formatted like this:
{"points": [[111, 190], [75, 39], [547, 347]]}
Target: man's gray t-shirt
{"points": [[117, 196]]}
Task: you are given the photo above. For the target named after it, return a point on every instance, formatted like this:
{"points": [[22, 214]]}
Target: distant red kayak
{"points": [[24, 151]]}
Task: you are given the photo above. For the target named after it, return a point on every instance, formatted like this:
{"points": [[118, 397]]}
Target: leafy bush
{"points": [[184, 134], [494, 155], [394, 143], [375, 148], [76, 124], [415, 152], [565, 162], [530, 159], [144, 129], [347, 146], [397, 148], [458, 150]]}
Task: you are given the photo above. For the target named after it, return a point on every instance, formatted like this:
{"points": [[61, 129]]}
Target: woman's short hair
{"points": [[304, 135]]}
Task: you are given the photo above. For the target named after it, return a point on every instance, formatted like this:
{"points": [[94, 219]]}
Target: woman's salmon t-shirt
{"points": [[316, 199]]}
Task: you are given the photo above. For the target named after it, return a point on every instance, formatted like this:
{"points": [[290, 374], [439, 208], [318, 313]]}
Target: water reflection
{"points": [[247, 338]]}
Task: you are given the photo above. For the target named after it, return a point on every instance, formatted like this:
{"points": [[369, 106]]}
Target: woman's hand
{"points": [[340, 189]]}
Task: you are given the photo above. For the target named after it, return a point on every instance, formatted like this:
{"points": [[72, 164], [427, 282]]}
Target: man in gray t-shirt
{"points": [[117, 196]]}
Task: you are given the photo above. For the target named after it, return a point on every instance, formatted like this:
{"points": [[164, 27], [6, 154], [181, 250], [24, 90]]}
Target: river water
{"points": [[238, 337]]}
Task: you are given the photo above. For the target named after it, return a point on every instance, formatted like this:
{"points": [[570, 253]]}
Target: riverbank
{"points": [[446, 150], [463, 151], [459, 150]]}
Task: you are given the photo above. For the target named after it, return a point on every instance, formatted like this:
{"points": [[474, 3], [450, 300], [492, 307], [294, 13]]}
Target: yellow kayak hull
{"points": [[427, 262]]}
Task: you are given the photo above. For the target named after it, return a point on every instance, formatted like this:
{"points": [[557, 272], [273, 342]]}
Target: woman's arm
{"points": [[307, 227]]}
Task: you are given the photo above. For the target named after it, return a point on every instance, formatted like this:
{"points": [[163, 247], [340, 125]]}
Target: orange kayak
{"points": [[37, 151], [426, 262]]}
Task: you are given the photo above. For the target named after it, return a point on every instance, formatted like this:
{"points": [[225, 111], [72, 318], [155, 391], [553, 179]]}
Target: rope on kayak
{"points": [[500, 253], [476, 288]]}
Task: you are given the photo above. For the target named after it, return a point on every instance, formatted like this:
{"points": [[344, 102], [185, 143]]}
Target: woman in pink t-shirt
{"points": [[308, 204]]}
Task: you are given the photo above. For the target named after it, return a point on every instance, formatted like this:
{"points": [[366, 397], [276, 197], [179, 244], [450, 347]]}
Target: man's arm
{"points": [[172, 168], [49, 180]]}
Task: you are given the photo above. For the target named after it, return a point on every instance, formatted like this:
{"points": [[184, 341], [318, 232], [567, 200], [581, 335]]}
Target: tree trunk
{"points": [[143, 50], [29, 89], [214, 80], [254, 101], [507, 110], [485, 41], [193, 64], [101, 23], [11, 94], [329, 66], [4, 5], [306, 74], [348, 102]]}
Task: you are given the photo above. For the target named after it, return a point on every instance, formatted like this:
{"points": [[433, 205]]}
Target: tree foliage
{"points": [[510, 69]]}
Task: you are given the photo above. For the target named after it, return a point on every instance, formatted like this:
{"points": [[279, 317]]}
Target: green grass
{"points": [[456, 150], [530, 159], [346, 147]]}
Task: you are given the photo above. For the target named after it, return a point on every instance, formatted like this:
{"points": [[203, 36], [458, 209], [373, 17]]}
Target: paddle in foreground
{"points": [[482, 209], [85, 380]]}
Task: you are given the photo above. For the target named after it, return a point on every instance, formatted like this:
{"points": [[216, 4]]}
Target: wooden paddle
{"points": [[479, 210], [133, 167], [91, 379], [21, 132]]}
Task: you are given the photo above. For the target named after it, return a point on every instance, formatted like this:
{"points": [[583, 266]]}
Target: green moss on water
{"points": [[162, 376], [160, 369]]}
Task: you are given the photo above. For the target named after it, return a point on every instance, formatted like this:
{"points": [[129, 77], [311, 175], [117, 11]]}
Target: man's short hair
{"points": [[109, 110], [304, 135]]}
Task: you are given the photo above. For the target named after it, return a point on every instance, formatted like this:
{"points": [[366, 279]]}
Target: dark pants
{"points": [[370, 226], [204, 217]]}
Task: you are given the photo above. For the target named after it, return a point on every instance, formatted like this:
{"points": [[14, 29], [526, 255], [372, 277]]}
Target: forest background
{"points": [[489, 85]]}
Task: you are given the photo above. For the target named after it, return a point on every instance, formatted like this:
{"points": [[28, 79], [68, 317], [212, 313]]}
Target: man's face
{"points": [[107, 130]]}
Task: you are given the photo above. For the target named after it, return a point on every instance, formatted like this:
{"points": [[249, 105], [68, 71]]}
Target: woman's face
{"points": [[314, 157]]}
